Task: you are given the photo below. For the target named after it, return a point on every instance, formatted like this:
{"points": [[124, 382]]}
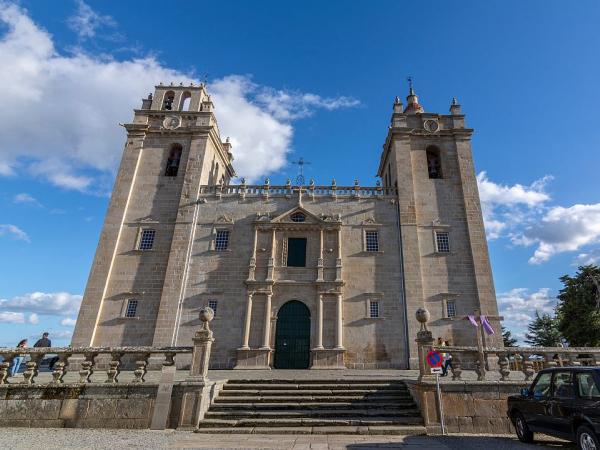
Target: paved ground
{"points": [[49, 439]]}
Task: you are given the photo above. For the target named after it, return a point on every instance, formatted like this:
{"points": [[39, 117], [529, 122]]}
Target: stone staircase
{"points": [[357, 406]]}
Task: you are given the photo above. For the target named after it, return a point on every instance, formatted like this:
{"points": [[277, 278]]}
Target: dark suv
{"points": [[562, 402]]}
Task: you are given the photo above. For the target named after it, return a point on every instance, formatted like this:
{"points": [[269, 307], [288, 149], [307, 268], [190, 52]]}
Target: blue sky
{"points": [[313, 79]]}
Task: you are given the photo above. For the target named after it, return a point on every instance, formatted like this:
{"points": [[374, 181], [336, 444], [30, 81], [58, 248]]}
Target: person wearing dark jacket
{"points": [[45, 342]]}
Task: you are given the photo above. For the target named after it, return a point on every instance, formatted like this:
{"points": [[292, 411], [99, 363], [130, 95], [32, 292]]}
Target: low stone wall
{"points": [[122, 405], [469, 406]]}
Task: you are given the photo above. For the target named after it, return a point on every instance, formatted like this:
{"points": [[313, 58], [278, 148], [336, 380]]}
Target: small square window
{"points": [[212, 304], [442, 241], [373, 309], [450, 308], [131, 309], [146, 239], [372, 241], [222, 240]]}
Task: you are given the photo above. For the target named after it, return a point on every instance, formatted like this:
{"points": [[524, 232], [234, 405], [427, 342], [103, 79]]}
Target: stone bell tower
{"points": [[136, 285], [446, 266]]}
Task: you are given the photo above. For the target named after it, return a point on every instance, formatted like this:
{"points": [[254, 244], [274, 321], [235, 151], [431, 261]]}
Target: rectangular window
{"points": [[372, 241], [373, 309], [563, 385], [212, 304], [146, 239], [131, 309], [450, 308], [442, 241], [222, 240], [588, 389], [296, 252]]}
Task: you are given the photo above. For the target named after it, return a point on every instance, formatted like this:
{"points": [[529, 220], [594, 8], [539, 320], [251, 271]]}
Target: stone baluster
{"points": [[573, 361], [455, 367], [169, 359], [31, 368], [60, 368], [113, 367], [480, 369], [504, 366], [141, 368], [87, 368], [527, 369], [5, 366], [549, 361]]}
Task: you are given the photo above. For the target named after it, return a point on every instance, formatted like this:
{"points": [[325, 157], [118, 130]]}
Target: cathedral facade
{"points": [[313, 276]]}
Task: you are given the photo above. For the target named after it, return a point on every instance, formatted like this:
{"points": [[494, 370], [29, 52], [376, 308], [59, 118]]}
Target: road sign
{"points": [[434, 359], [437, 371]]}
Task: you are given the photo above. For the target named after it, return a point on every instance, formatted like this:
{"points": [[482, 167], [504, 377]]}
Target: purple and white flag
{"points": [[485, 323], [473, 321]]}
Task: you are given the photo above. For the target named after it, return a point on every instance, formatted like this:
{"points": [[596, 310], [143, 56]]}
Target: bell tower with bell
{"points": [[172, 148], [427, 158]]}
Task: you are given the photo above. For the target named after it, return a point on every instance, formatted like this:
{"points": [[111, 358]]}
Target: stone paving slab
{"points": [[70, 439]]}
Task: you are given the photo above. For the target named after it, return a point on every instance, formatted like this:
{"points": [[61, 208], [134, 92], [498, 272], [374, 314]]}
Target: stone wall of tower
{"points": [[143, 197], [448, 204]]}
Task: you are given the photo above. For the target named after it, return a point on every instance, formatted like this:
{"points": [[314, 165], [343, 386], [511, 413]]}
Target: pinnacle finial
{"points": [[411, 91], [454, 101]]}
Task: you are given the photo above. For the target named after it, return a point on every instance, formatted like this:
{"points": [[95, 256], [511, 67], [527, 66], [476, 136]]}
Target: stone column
{"points": [[338, 261], [267, 330], [320, 261], [424, 343], [202, 344], [271, 264], [319, 322], [339, 330], [245, 344]]}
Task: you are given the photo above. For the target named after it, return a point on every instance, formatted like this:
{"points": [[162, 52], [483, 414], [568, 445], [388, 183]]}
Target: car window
{"points": [[541, 389], [587, 386], [563, 385]]}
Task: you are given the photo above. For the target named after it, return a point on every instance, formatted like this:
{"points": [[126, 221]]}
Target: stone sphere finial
{"points": [[423, 317], [206, 315]]}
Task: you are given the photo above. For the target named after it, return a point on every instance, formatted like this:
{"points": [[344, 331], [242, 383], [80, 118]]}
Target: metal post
{"points": [[439, 403]]}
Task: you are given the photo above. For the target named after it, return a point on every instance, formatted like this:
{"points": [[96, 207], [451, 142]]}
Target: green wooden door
{"points": [[292, 336]]}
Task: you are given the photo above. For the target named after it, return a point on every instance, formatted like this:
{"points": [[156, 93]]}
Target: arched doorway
{"points": [[292, 336]]}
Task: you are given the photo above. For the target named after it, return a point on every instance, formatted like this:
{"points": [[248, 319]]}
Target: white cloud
{"points": [[34, 319], [85, 22], [11, 317], [505, 207], [26, 198], [518, 306], [591, 257], [564, 230], [68, 322], [77, 100], [55, 303], [6, 229]]}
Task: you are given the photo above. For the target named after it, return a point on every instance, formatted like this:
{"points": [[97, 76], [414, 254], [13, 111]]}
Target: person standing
{"points": [[447, 359], [17, 360], [44, 341]]}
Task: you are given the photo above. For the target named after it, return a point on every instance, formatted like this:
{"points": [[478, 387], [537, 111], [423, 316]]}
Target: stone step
{"points": [[309, 398], [311, 413], [371, 381], [330, 386], [400, 430], [309, 422], [287, 392], [308, 406]]}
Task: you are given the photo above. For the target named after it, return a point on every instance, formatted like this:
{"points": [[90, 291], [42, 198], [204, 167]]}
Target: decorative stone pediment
{"points": [[224, 220], [370, 222], [297, 215]]}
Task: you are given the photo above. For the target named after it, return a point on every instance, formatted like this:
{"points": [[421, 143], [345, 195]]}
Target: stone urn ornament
{"points": [[423, 317]]}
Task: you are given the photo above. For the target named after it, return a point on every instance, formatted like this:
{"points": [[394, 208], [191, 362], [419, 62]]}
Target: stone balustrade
{"points": [[507, 361], [266, 190], [88, 362]]}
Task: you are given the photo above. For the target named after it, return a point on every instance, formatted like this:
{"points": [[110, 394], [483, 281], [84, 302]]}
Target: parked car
{"points": [[563, 402]]}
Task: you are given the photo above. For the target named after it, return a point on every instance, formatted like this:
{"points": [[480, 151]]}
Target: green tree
{"points": [[543, 331], [507, 338], [577, 311]]}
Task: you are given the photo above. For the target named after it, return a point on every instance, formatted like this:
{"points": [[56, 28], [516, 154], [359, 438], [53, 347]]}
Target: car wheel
{"points": [[586, 439], [523, 432]]}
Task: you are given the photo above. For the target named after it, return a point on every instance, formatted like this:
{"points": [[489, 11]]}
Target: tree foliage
{"points": [[507, 338], [543, 331], [578, 315]]}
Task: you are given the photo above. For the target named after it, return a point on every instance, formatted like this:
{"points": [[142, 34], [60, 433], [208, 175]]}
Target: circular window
{"points": [[298, 217]]}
